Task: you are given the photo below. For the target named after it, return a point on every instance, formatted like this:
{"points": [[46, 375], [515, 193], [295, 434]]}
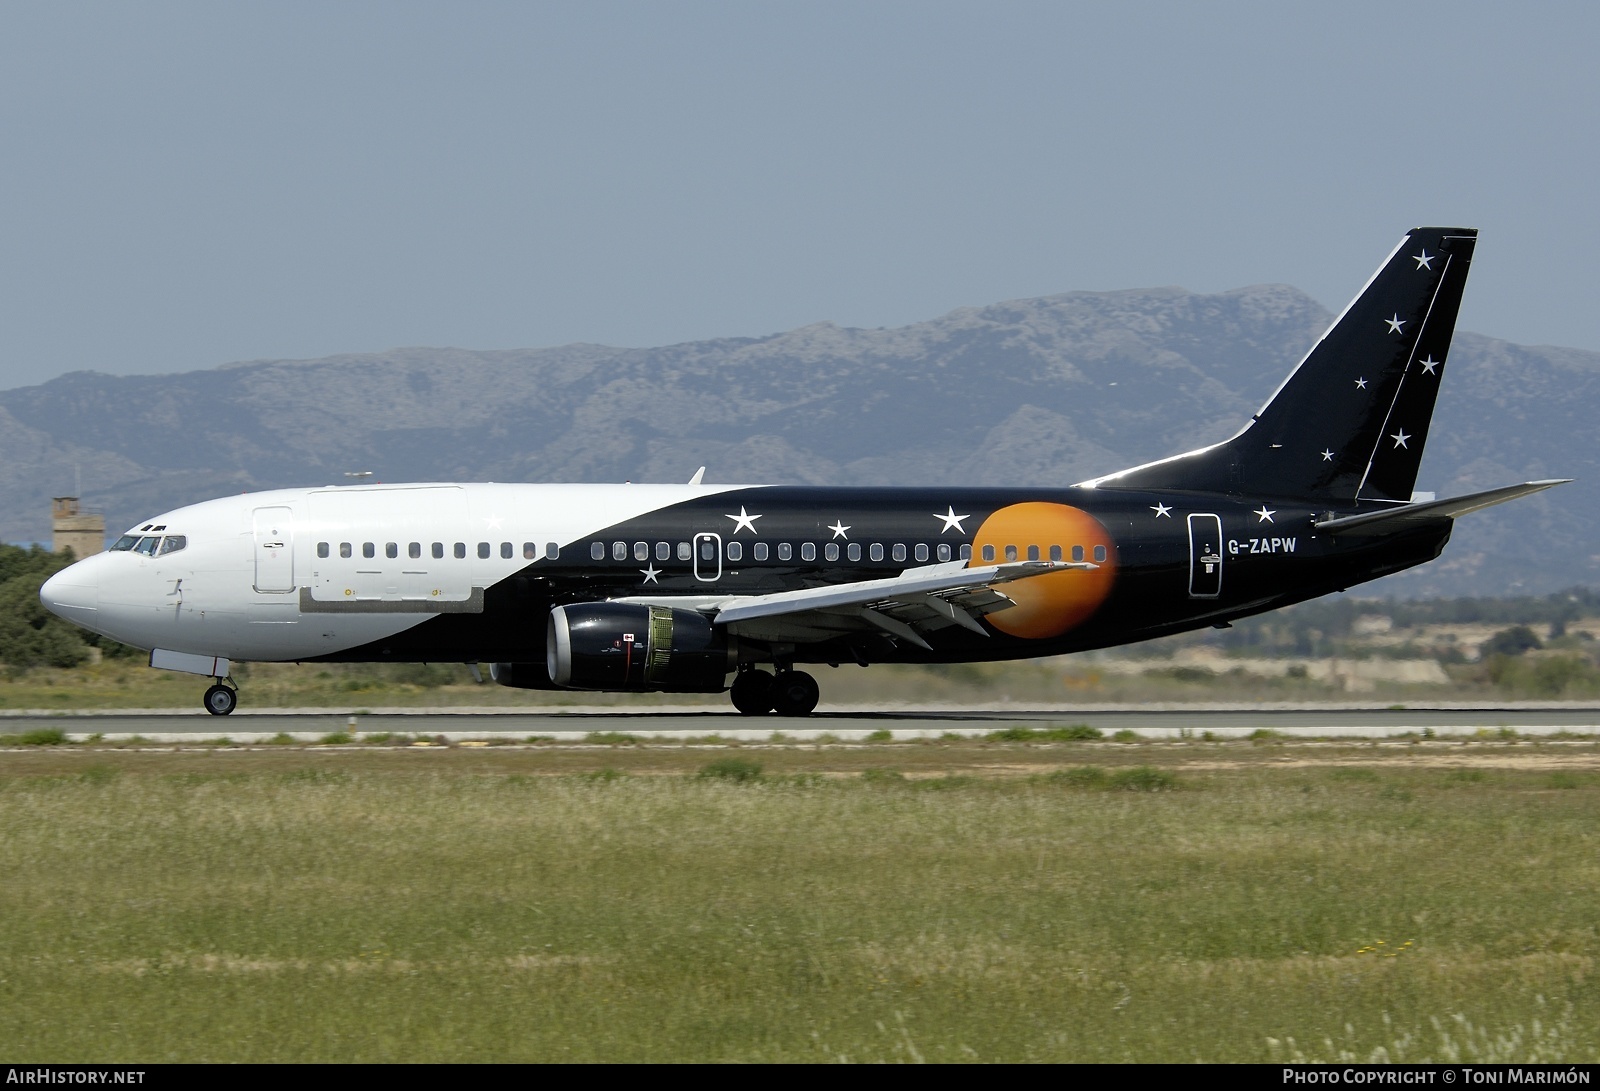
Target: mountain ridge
{"points": [[1043, 391]]}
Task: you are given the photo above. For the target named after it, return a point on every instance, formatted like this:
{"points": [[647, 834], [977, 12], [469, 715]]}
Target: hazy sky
{"points": [[185, 185]]}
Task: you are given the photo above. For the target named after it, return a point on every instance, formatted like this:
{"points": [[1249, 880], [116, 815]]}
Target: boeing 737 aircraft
{"points": [[678, 587]]}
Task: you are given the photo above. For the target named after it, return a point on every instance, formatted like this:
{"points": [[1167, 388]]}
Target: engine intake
{"points": [[622, 646]]}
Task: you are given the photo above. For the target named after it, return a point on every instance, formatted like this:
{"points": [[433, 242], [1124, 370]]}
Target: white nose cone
{"points": [[72, 594]]}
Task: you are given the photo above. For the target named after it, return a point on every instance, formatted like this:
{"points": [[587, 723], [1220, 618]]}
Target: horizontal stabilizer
{"points": [[1392, 518]]}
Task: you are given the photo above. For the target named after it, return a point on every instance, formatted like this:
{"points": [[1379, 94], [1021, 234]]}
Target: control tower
{"points": [[83, 532]]}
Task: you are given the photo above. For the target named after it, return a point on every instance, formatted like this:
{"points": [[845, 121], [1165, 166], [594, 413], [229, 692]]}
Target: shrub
{"points": [[44, 736], [1125, 735], [883, 734], [612, 738], [739, 770], [1142, 778], [1082, 776], [1060, 733]]}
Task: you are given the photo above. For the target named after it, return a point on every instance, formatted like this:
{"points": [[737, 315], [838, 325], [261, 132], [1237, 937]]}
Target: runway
{"points": [[573, 724]]}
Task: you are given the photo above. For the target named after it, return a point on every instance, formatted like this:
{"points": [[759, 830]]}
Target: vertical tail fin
{"points": [[1349, 423]]}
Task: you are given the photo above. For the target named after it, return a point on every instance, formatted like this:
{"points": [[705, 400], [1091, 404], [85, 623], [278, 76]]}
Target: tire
{"points": [[220, 700], [752, 693], [795, 693]]}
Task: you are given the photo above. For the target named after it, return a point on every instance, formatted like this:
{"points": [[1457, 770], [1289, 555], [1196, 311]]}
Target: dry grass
{"points": [[604, 903]]}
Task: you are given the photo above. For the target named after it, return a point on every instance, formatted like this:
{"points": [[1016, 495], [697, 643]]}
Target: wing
{"points": [[907, 606]]}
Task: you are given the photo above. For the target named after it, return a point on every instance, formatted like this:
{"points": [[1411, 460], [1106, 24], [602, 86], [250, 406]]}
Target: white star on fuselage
{"points": [[1428, 365], [1361, 384], [1424, 260], [1264, 514], [1400, 438], [1162, 511], [1394, 323], [650, 574], [1327, 455], [951, 519], [493, 521], [839, 529], [743, 521]]}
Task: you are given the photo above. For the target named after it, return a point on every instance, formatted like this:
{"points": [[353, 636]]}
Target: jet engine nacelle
{"points": [[522, 675], [622, 646]]}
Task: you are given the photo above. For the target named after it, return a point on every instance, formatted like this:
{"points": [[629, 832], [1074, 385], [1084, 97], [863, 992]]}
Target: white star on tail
{"points": [[1400, 438], [1327, 455], [650, 574], [1424, 260], [1394, 323], [743, 521], [839, 529], [1428, 365], [1162, 511], [1264, 514], [951, 519]]}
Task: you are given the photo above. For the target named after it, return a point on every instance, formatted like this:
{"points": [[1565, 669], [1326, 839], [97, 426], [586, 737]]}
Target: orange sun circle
{"points": [[1051, 604]]}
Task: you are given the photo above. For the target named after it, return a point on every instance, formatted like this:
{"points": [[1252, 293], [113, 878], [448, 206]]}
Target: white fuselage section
{"points": [[301, 573]]}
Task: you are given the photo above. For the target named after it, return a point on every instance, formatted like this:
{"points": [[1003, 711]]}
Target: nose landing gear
{"points": [[221, 699]]}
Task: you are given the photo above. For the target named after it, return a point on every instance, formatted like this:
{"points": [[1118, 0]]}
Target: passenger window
{"points": [[759, 551], [1033, 553], [808, 551], [944, 551], [391, 550], [1055, 553], [322, 548], [898, 552], [663, 551], [876, 552], [853, 551], [683, 551], [171, 544], [530, 551], [1011, 553], [785, 551], [1077, 553], [988, 553], [1100, 553], [461, 551], [966, 551], [506, 551], [831, 551], [922, 551], [597, 551], [619, 551], [551, 551], [483, 551], [734, 551], [438, 551], [414, 551], [345, 551], [368, 550], [641, 551]]}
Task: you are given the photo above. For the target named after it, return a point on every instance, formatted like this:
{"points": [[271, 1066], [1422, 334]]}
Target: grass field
{"points": [[951, 900]]}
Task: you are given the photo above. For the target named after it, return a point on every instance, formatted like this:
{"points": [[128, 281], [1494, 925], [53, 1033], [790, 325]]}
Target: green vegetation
{"points": [[965, 901], [31, 636]]}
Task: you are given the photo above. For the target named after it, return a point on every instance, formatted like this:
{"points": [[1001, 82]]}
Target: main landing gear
{"points": [[790, 693], [221, 698]]}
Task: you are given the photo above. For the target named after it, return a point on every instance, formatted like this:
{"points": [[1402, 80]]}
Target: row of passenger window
{"points": [[785, 551], [391, 550]]}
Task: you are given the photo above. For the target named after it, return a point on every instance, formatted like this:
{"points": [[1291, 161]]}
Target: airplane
{"points": [[699, 588]]}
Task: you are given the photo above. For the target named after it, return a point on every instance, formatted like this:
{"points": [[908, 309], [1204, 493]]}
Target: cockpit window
{"points": [[151, 545]]}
